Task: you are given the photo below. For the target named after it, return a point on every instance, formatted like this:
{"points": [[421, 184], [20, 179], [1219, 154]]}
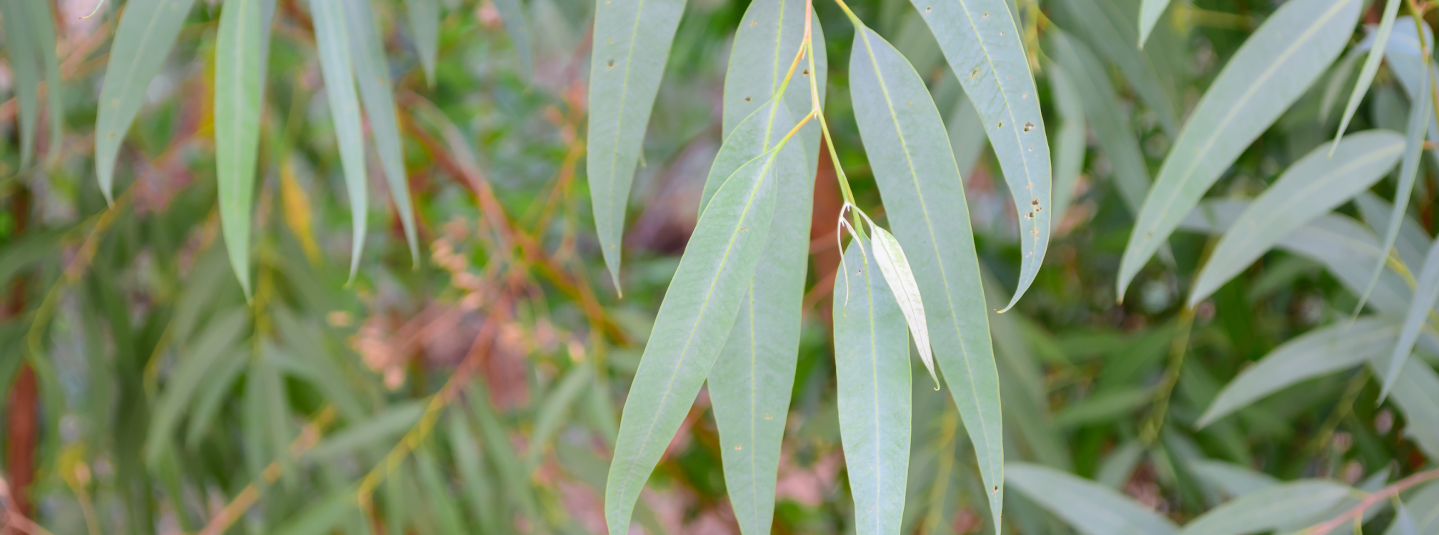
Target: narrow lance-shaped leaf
{"points": [[146, 32], [373, 74], [332, 38], [1149, 13], [1320, 352], [1311, 187], [1370, 68], [924, 199], [1111, 27], [1414, 132], [695, 317], [513, 14], [1232, 479], [1091, 508], [424, 17], [751, 381], [1070, 143], [1270, 508], [41, 30], [239, 77], [1339, 77], [893, 265], [765, 43], [1413, 241], [1420, 309], [986, 51], [1273, 68], [25, 67], [871, 354], [1416, 392], [631, 44]]}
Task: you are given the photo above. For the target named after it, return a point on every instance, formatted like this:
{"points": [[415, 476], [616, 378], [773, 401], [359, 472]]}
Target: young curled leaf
{"points": [[897, 273]]}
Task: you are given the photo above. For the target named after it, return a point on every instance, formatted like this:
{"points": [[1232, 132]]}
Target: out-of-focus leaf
{"points": [[1149, 13], [1339, 78], [1403, 523], [873, 377], [25, 68], [146, 32], [373, 75], [1089, 507], [382, 429], [1413, 147], [195, 363], [1424, 505], [986, 51], [1311, 187], [905, 141], [477, 489], [239, 83], [1425, 296], [301, 337], [21, 252], [1416, 392], [696, 316], [1070, 142], [501, 452], [1104, 406], [439, 498], [321, 518], [211, 396], [1413, 242], [1344, 246], [40, 26], [625, 70], [1232, 479], [1371, 67], [1268, 73], [1316, 353], [1107, 116], [1111, 27], [424, 17], [1270, 508], [751, 380], [553, 409], [893, 265], [513, 14], [1116, 468], [336, 66]]}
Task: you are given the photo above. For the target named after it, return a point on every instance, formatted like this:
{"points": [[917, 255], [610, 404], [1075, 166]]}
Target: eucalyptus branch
{"points": [[1357, 512]]}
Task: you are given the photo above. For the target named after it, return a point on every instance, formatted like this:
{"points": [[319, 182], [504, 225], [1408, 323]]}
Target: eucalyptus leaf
{"points": [[239, 83], [1089, 507], [1111, 27], [518, 26], [1071, 142], [1371, 67], [424, 17], [1270, 508], [336, 65], [1233, 480], [1426, 295]]}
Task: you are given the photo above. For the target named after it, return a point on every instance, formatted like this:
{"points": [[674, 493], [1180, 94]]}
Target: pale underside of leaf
{"points": [[1323, 351], [1270, 508], [239, 82], [1371, 65], [695, 317], [1089, 507], [373, 74], [1268, 73], [1309, 188], [873, 379], [908, 149], [145, 35], [631, 44], [337, 68], [986, 51], [893, 265]]}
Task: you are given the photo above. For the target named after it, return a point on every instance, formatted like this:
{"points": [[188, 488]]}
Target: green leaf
{"points": [[380, 430], [41, 30], [1149, 13], [986, 51], [1317, 183], [1112, 127], [751, 380], [1426, 501], [1419, 118], [625, 70], [1316, 353], [1413, 242], [1111, 27], [1270, 508], [1420, 309], [1071, 142], [553, 410], [1416, 392], [424, 17], [438, 496], [513, 15], [478, 490], [1339, 78], [321, 518], [143, 40], [697, 313], [217, 341], [894, 266], [25, 67], [1403, 522], [212, 394], [1089, 507], [373, 75], [1104, 407], [871, 356], [1370, 68], [239, 83], [1232, 479], [513, 479], [1119, 464], [1266, 75], [966, 135], [332, 39], [924, 199]]}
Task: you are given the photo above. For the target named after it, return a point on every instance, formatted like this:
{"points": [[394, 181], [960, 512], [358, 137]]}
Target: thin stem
{"points": [[1385, 493]]}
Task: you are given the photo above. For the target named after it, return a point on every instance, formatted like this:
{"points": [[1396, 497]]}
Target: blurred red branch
{"points": [[1383, 494]]}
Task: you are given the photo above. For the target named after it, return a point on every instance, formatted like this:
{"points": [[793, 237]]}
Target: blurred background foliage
{"points": [[478, 390]]}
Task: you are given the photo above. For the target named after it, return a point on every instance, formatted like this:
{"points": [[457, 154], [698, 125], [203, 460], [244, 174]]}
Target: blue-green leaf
{"points": [[25, 67], [695, 317], [1149, 13], [631, 43], [871, 354], [337, 67], [1371, 66], [924, 198], [1070, 143], [986, 51], [1232, 479], [1091, 508], [239, 82], [1416, 392], [513, 14], [1270, 508], [1268, 73], [1420, 310], [1111, 27], [424, 17], [196, 361]]}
